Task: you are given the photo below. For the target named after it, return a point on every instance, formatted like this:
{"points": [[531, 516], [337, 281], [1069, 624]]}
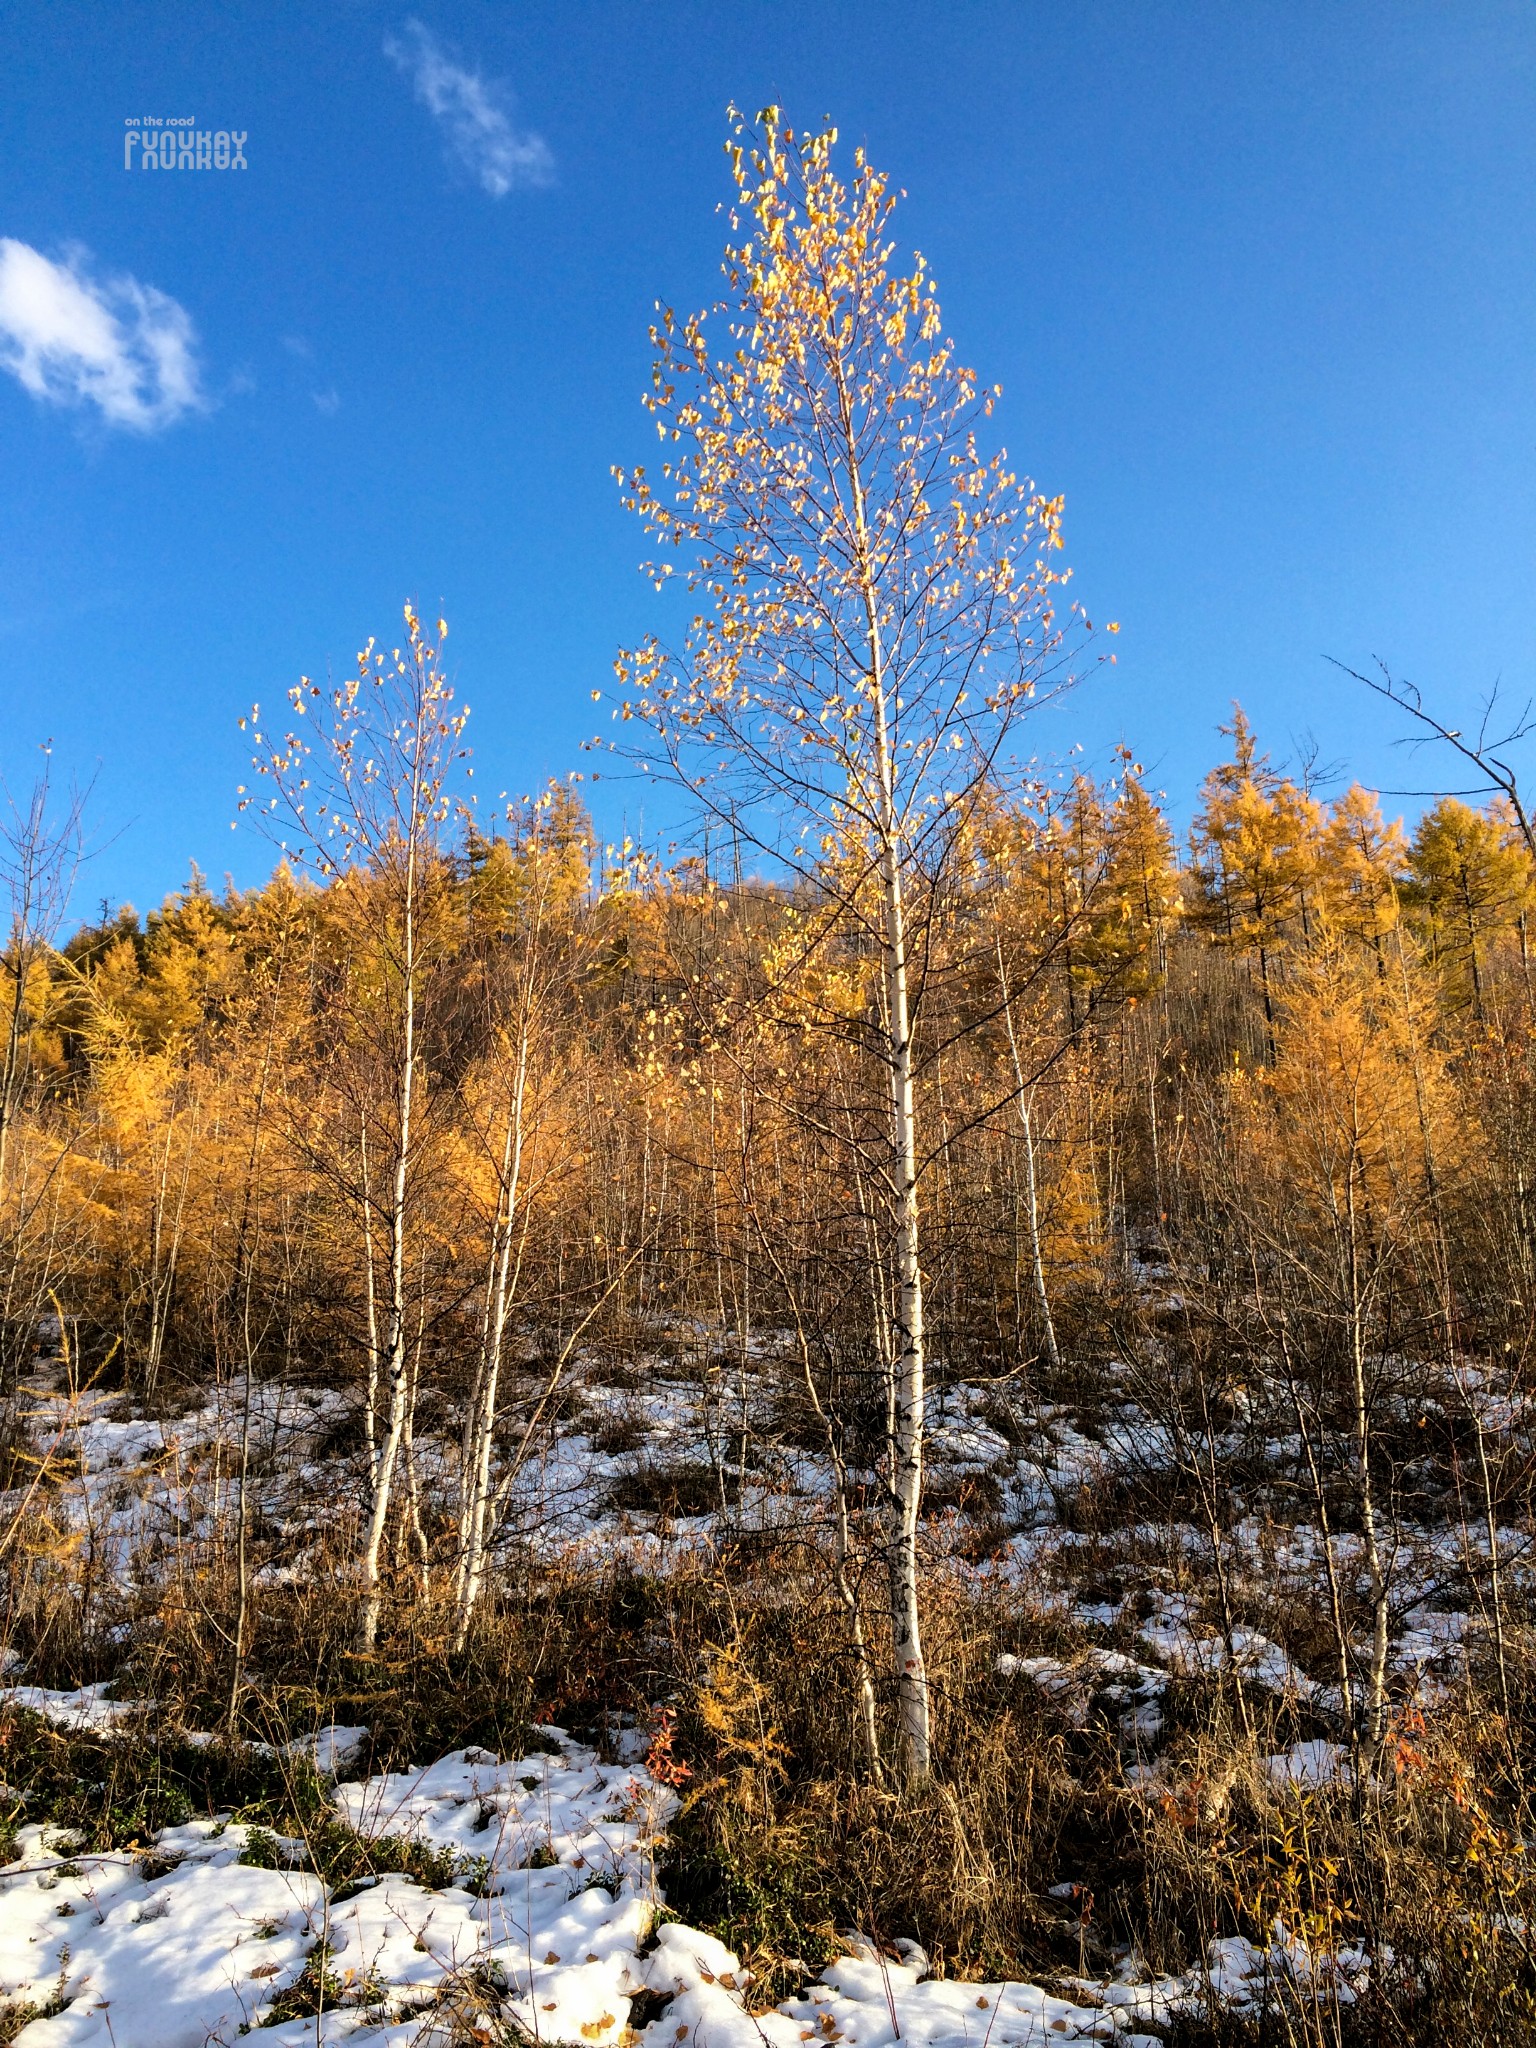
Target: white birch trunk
{"points": [[478, 1498], [1031, 1185], [908, 1390], [396, 1359]]}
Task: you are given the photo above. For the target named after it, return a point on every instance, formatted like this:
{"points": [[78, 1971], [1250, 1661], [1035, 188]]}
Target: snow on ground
{"points": [[554, 1897], [87, 1711], [1307, 1763], [134, 1491], [871, 2001], [551, 1922], [559, 1898], [151, 1963], [552, 1917], [1108, 1676]]}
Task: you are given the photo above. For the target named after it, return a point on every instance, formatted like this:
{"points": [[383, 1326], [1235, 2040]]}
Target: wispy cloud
{"points": [[475, 113], [327, 401], [115, 344]]}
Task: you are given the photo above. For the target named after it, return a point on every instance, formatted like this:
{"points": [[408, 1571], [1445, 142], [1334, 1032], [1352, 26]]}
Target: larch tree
{"points": [[1333, 1183], [1256, 847], [874, 611], [1362, 864], [1467, 882], [1141, 885]]}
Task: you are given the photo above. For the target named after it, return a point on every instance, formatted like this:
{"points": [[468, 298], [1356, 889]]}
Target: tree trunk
{"points": [[476, 1501], [397, 1374], [1375, 1702], [909, 1392], [1031, 1185]]}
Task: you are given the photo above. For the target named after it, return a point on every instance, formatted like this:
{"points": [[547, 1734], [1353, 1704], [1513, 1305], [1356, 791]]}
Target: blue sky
{"points": [[1259, 283]]}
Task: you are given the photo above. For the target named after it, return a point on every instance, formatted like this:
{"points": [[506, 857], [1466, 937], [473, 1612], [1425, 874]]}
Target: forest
{"points": [[979, 1343]]}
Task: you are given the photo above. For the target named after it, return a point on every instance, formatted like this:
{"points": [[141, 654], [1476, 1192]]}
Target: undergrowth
{"points": [[1028, 1854]]}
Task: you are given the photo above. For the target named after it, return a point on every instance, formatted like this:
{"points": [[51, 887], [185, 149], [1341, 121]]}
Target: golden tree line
{"points": [[579, 1096]]}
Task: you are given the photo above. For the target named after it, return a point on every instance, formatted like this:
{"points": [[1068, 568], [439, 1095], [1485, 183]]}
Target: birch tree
{"points": [[525, 890], [362, 789], [41, 847], [872, 611], [40, 853]]}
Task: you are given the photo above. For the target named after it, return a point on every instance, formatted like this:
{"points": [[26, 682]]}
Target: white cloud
{"points": [[475, 113], [119, 345]]}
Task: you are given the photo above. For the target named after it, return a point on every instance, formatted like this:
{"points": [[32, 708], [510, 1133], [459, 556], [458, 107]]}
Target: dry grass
{"points": [[784, 1842]]}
